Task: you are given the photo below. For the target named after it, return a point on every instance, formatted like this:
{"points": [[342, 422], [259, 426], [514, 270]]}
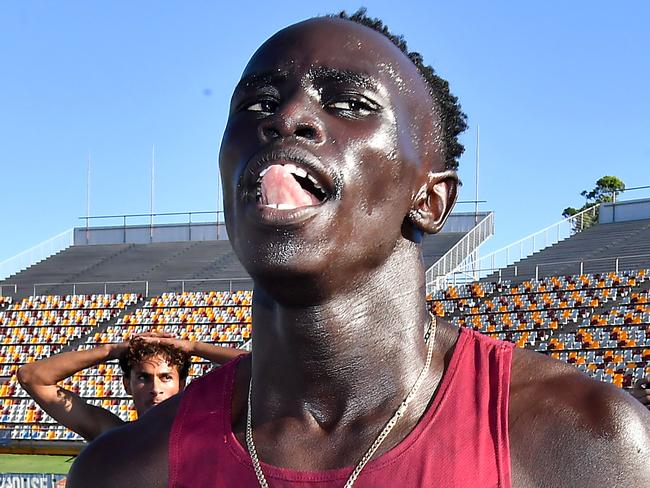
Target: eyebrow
{"points": [[319, 74], [164, 373], [324, 74], [261, 79]]}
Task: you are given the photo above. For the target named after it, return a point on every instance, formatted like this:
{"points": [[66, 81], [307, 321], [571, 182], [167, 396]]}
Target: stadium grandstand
{"points": [[107, 283], [577, 290]]}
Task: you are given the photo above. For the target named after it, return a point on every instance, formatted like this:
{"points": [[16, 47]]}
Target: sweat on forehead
{"points": [[347, 43], [345, 50]]}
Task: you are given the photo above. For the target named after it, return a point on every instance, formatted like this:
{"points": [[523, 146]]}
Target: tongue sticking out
{"points": [[281, 190]]}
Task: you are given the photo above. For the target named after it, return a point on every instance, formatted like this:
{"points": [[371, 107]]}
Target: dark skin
{"points": [[339, 286]]}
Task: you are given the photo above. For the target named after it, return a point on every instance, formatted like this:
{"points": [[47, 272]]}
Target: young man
{"points": [[155, 368], [337, 157]]}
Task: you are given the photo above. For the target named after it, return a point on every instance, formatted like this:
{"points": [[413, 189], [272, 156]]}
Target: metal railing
{"points": [[230, 281], [36, 253], [459, 253], [504, 257], [458, 276], [151, 221], [125, 217], [86, 283], [8, 285]]}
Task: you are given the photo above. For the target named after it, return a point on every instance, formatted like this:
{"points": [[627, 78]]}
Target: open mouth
{"points": [[285, 186]]}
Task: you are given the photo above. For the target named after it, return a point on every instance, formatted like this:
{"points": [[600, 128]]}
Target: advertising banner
{"points": [[21, 480]]}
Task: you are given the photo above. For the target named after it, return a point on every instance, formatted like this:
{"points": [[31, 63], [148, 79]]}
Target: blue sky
{"points": [[560, 90]]}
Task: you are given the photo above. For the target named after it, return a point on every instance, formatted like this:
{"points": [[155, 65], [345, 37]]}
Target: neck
{"points": [[356, 352]]}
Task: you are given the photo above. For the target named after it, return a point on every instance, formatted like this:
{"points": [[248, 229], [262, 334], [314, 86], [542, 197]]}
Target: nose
{"points": [[156, 387], [294, 118]]}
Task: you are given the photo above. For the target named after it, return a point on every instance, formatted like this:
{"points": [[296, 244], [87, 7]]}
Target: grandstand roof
{"points": [[90, 266]]}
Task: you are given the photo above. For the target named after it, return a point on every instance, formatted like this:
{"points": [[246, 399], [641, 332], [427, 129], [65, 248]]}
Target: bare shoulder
{"points": [[567, 429], [134, 455]]}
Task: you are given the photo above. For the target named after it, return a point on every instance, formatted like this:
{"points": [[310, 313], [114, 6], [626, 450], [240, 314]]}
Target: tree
{"points": [[606, 190]]}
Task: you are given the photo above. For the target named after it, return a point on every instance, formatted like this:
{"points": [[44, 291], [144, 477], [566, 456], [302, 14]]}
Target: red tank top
{"points": [[461, 441]]}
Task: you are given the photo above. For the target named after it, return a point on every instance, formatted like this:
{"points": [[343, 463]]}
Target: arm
{"points": [[641, 391], [215, 354], [134, 455], [40, 379]]}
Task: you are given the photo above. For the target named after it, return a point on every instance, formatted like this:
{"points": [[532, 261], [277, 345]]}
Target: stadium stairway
{"points": [[224, 264], [108, 267], [63, 267], [598, 247], [435, 246]]}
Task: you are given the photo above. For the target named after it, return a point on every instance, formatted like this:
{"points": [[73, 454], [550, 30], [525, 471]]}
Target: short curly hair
{"points": [[140, 350], [452, 118]]}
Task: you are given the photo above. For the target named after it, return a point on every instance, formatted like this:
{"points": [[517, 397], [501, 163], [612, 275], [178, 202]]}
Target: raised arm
{"points": [[641, 391], [40, 379], [215, 354]]}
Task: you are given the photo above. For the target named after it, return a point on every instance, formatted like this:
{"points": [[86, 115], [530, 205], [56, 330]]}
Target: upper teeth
{"points": [[292, 168]]}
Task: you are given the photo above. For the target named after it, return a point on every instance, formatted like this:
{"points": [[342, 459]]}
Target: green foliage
{"points": [[606, 190], [569, 212]]}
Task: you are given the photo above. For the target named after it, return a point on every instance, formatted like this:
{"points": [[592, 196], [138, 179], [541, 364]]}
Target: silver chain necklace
{"points": [[430, 334]]}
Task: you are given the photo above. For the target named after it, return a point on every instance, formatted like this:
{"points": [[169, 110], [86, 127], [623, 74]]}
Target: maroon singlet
{"points": [[461, 441]]}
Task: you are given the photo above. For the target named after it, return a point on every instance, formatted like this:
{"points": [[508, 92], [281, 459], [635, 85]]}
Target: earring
{"points": [[415, 216]]}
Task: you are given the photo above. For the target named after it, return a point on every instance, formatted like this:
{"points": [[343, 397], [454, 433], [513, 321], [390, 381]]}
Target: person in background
{"points": [[154, 365]]}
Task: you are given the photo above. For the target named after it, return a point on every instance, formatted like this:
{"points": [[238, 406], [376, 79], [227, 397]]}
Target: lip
{"points": [[285, 217]]}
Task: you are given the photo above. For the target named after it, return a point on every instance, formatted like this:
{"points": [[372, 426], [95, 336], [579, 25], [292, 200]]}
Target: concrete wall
{"points": [[145, 234], [463, 221], [205, 231], [624, 211]]}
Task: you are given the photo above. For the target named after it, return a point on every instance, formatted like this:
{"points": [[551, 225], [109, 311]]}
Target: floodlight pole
{"points": [[478, 129], [476, 257], [87, 197], [153, 169], [88, 189]]}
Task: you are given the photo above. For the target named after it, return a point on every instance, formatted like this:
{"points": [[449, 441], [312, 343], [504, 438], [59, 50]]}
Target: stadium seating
{"points": [[598, 322], [37, 327], [40, 326]]}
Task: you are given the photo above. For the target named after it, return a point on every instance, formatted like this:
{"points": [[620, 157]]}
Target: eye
{"points": [[262, 106], [352, 107]]}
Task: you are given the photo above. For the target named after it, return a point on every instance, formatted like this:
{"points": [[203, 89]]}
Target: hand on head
{"points": [[154, 334], [641, 391], [162, 337]]}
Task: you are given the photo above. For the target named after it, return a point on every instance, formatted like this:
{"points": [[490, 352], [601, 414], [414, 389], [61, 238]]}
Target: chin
{"points": [[297, 283]]}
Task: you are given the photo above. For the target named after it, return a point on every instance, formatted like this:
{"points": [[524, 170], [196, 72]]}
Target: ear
{"points": [[434, 200], [127, 385]]}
